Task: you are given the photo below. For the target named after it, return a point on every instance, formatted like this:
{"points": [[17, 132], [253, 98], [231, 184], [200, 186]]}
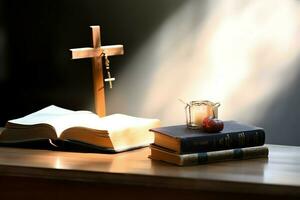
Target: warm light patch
{"points": [[239, 53], [57, 163]]}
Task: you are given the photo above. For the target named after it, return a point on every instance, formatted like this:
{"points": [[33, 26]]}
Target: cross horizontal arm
{"points": [[113, 50], [88, 52]]}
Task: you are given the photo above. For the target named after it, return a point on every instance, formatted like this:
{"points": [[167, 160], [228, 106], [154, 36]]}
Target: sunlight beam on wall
{"points": [[239, 53]]}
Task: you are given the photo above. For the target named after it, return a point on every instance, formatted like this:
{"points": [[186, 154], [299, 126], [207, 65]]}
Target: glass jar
{"points": [[197, 111]]}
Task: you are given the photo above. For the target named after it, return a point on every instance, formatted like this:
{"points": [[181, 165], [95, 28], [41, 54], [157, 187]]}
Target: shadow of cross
{"points": [[96, 53]]}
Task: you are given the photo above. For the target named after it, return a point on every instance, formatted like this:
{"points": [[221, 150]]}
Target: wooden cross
{"points": [[96, 53]]}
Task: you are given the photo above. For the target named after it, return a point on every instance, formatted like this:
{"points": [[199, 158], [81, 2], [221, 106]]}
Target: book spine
{"points": [[225, 155], [223, 141]]}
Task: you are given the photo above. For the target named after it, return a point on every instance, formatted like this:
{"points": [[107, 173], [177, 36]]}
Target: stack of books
{"points": [[183, 146]]}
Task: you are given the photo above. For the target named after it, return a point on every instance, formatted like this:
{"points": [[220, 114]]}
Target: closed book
{"points": [[169, 156], [184, 140]]}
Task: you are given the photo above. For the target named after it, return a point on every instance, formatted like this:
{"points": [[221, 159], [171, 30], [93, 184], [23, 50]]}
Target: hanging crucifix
{"points": [[97, 52]]}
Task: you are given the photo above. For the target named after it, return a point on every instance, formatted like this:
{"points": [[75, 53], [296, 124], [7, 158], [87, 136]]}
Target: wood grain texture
{"points": [[88, 52], [279, 175], [33, 188], [99, 94]]}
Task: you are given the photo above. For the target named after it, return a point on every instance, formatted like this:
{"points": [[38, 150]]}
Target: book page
{"points": [[84, 119], [120, 121], [61, 119], [42, 116], [112, 123]]}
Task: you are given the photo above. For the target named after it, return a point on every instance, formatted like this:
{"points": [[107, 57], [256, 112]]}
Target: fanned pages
{"points": [[116, 132]]}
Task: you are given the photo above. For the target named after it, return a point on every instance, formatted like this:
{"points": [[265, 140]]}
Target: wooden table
{"points": [[42, 174]]}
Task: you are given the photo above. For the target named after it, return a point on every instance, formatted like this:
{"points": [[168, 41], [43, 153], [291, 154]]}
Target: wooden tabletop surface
{"points": [[278, 174]]}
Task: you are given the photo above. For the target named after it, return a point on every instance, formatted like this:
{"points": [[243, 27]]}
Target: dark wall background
{"points": [[37, 37], [36, 69]]}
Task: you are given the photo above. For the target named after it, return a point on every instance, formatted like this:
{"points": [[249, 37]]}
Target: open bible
{"points": [[66, 128]]}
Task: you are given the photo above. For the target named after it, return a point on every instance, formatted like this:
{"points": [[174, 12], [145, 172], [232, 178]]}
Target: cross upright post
{"points": [[96, 53]]}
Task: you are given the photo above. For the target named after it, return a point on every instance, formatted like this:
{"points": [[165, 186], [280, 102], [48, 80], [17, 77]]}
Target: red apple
{"points": [[212, 125]]}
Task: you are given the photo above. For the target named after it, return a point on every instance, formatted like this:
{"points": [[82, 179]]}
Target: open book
{"points": [[114, 133]]}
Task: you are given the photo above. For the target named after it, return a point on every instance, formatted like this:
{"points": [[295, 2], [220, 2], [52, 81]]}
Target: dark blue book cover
{"points": [[184, 140]]}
